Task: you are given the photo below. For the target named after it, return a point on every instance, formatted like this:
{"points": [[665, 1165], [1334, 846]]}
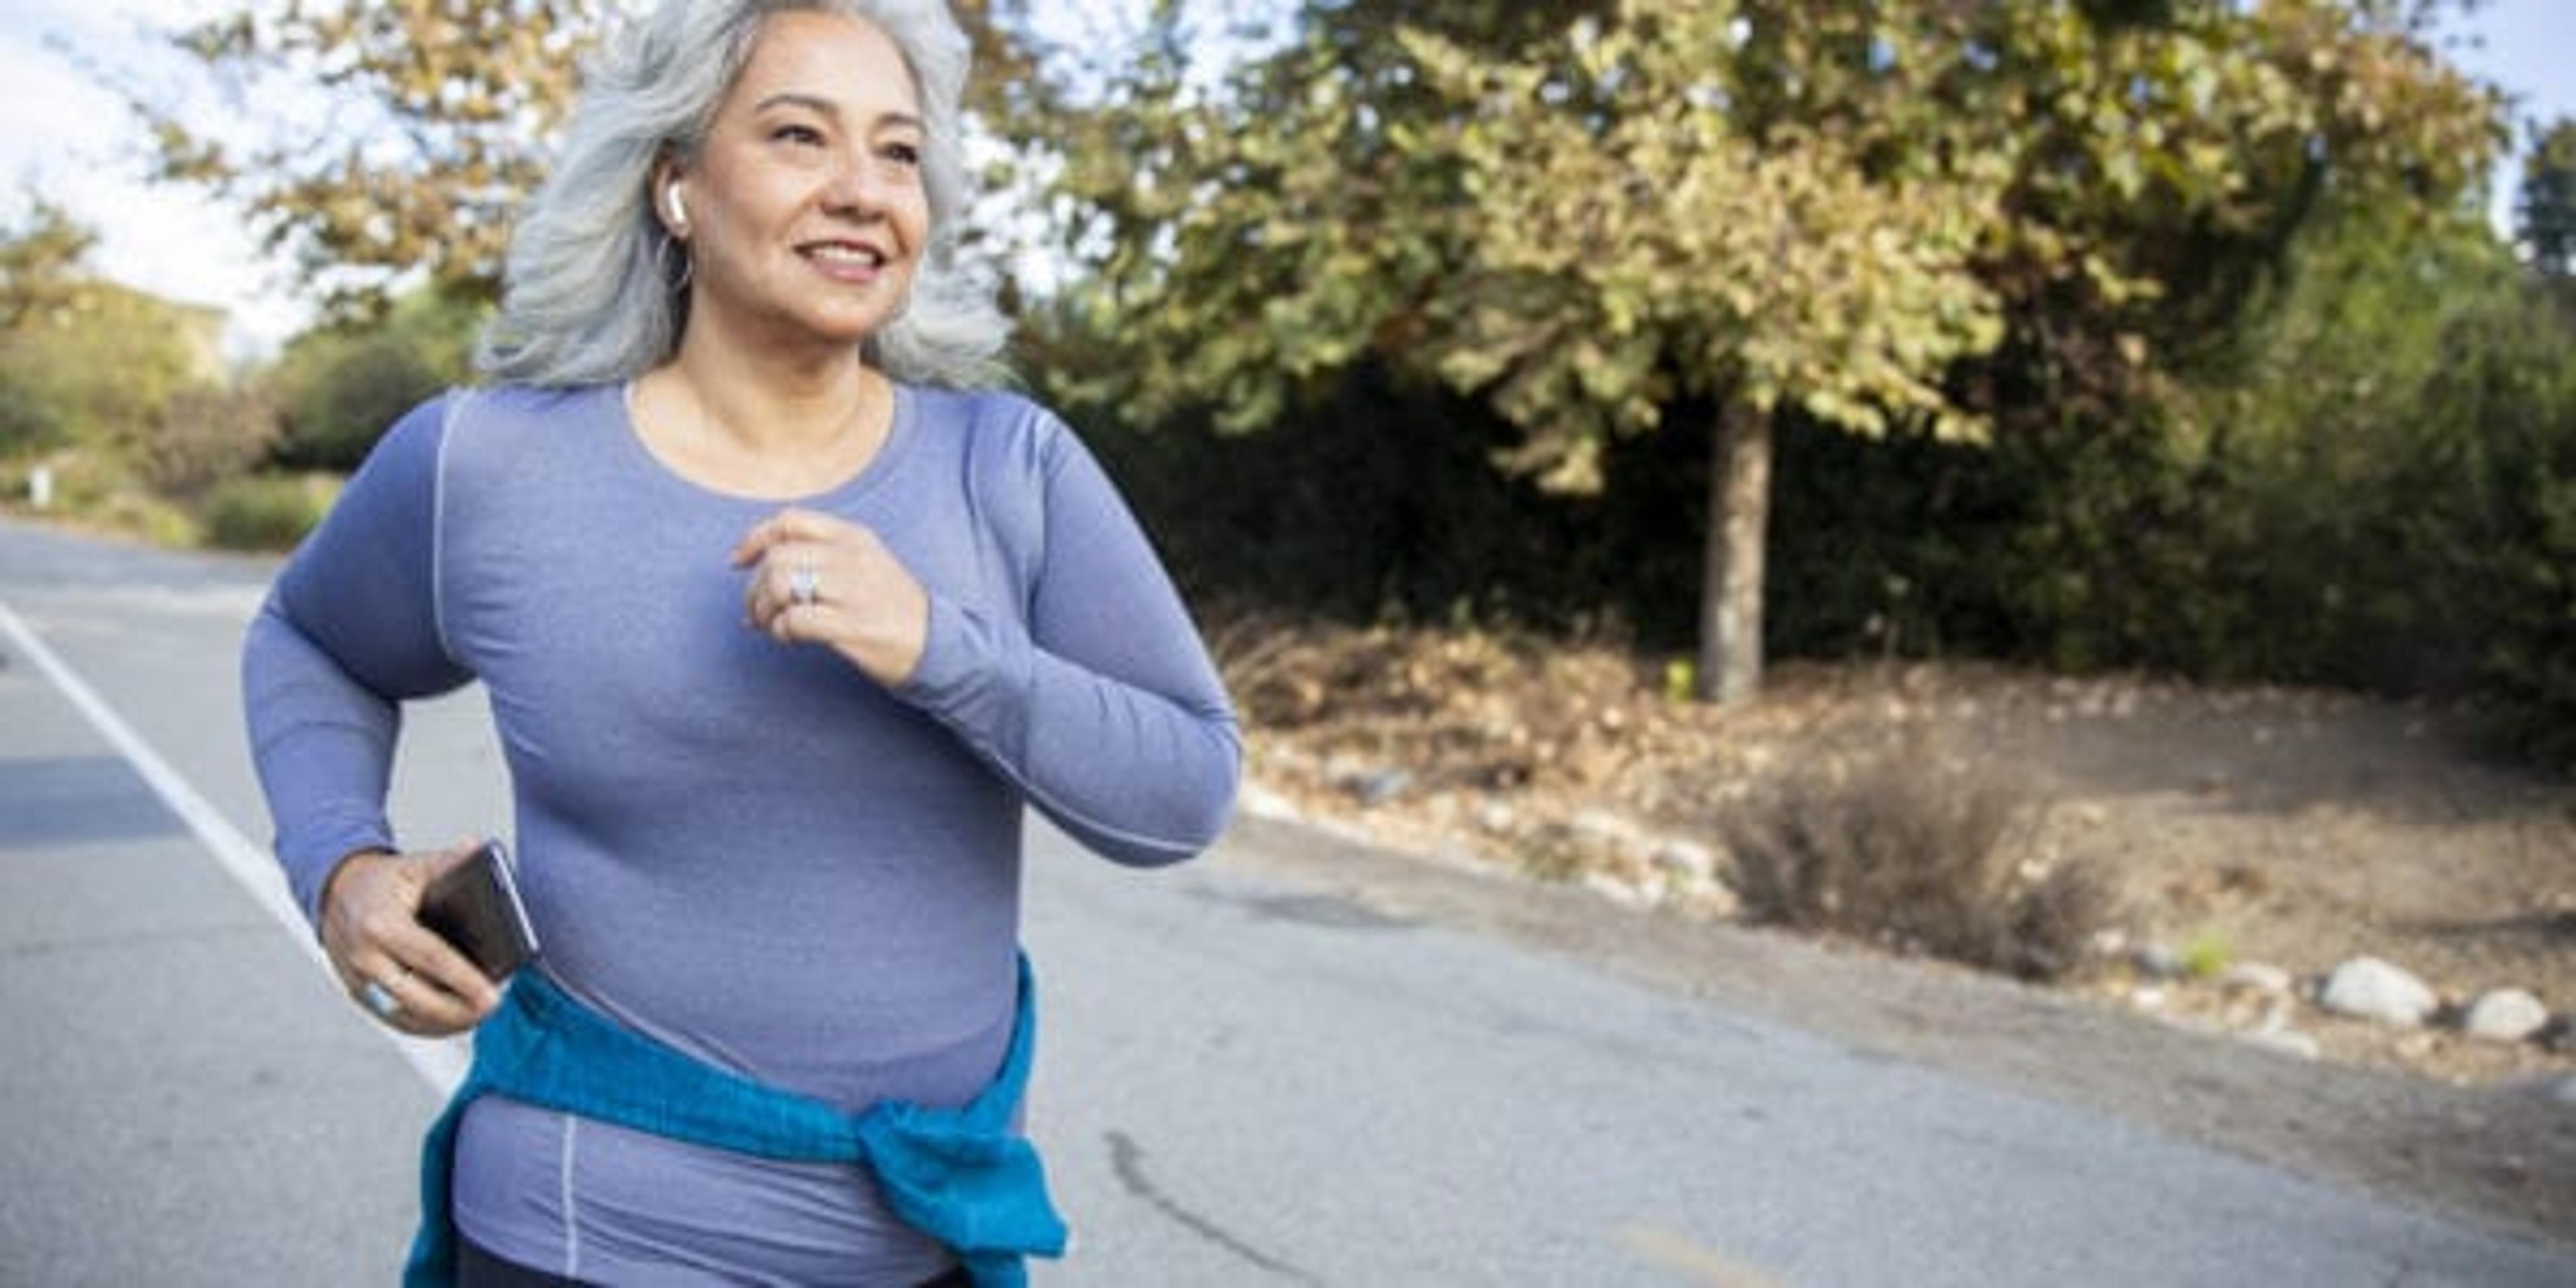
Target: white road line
{"points": [[442, 1064]]}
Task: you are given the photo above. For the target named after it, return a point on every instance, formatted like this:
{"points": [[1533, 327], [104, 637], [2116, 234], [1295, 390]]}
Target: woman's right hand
{"points": [[372, 933]]}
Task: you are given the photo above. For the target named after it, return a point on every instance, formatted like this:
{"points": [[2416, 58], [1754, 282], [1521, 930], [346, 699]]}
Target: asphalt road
{"points": [[1244, 1078]]}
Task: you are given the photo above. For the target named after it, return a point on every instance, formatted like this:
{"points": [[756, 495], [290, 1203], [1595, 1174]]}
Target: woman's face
{"points": [[806, 214]]}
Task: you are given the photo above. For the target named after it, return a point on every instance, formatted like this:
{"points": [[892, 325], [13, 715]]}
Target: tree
{"points": [[86, 362], [1664, 252], [41, 263], [2545, 214], [1600, 215], [439, 116], [340, 385]]}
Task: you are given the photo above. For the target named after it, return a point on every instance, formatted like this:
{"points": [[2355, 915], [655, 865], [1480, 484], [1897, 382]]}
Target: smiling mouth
{"points": [[846, 257]]}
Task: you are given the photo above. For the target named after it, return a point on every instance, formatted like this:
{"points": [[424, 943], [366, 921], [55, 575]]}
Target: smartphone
{"points": [[475, 906]]}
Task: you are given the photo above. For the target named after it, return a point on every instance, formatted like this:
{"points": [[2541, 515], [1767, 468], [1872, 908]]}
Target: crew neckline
{"points": [[880, 463]]}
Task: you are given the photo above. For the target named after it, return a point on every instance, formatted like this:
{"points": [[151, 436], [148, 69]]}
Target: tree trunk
{"points": [[1730, 594]]}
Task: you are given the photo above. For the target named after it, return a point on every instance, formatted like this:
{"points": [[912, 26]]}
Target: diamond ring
{"points": [[804, 585], [380, 1000]]}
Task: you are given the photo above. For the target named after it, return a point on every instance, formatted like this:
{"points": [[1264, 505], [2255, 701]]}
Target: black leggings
{"points": [[476, 1267]]}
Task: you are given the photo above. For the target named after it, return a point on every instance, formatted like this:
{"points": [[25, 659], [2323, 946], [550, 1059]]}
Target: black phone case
{"points": [[475, 906]]}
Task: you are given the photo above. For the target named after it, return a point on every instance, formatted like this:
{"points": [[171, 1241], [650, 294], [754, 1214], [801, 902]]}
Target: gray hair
{"points": [[595, 288]]}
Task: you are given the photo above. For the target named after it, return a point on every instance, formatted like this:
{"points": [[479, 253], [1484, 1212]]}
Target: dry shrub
{"points": [[205, 438], [1918, 855], [1458, 708], [268, 511]]}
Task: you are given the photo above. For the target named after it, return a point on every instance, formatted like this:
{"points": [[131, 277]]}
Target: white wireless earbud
{"points": [[678, 211]]}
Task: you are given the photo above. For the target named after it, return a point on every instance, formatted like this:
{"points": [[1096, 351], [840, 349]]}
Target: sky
{"points": [[66, 135]]}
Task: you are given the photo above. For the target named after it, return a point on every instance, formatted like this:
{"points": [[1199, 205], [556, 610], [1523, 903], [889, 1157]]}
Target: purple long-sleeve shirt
{"points": [[748, 850]]}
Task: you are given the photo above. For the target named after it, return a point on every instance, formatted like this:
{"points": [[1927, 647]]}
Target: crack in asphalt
{"points": [[1127, 1158]]}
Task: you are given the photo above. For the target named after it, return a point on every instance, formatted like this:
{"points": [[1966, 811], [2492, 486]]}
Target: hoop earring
{"points": [[688, 264]]}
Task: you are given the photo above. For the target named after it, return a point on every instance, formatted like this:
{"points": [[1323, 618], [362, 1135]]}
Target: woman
{"points": [[781, 627]]}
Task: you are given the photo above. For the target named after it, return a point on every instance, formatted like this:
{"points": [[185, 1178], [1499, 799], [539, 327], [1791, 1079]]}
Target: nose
{"points": [[860, 185]]}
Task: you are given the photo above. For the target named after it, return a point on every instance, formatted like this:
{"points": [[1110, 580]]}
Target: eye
{"points": [[801, 135], [903, 154]]}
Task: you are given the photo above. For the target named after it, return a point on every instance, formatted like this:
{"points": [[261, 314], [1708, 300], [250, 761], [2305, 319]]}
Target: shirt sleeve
{"points": [[348, 632], [1105, 710]]}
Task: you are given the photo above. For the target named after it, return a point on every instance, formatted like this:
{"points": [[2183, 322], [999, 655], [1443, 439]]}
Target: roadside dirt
{"points": [[2243, 825]]}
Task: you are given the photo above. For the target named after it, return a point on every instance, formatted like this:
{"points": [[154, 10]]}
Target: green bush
{"points": [[267, 511], [147, 516], [2491, 528], [29, 421], [338, 388]]}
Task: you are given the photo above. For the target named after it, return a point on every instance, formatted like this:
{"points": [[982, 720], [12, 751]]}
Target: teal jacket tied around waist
{"points": [[962, 1176]]}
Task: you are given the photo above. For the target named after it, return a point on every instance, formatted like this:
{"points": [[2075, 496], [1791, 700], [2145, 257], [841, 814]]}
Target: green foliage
{"points": [[2318, 445], [2208, 954], [2545, 212], [1563, 218], [340, 386], [1636, 242], [2369, 487], [40, 264], [87, 363], [109, 364], [150, 518], [1357, 519], [119, 394], [267, 511], [1588, 213], [2486, 509], [30, 421], [1885, 218]]}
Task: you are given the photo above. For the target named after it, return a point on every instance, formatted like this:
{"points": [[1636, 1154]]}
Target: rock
{"points": [[2260, 977], [2505, 1015], [1261, 802], [1711, 898], [1495, 817], [1686, 859], [1377, 786], [2159, 961], [2371, 989], [1617, 889], [2148, 997], [1602, 828], [2285, 1041]]}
